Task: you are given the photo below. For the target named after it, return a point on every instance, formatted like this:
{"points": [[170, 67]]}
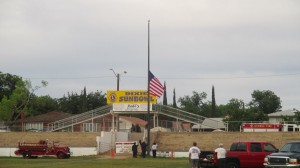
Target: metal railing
{"points": [[186, 116], [80, 118], [161, 109]]}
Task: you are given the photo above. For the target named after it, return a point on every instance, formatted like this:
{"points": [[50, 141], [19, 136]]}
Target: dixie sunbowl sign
{"points": [[130, 100], [129, 97]]}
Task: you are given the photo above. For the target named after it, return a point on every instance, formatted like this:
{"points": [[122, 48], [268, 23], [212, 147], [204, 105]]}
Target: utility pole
{"points": [[118, 78]]}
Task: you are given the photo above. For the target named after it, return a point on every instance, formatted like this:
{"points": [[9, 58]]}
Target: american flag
{"points": [[155, 87]]}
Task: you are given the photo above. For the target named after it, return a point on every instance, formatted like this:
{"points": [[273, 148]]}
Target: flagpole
{"points": [[148, 108]]}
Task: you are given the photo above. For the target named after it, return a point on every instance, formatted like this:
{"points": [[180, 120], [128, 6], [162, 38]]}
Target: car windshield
{"points": [[291, 147]]}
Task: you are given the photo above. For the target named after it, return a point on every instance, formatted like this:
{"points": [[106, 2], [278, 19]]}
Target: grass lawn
{"points": [[93, 162]]}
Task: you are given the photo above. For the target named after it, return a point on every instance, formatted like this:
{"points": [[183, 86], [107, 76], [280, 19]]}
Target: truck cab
{"points": [[248, 154], [288, 156]]}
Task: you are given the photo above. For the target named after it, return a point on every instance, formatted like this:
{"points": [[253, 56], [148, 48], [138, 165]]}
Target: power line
{"points": [[238, 77], [67, 78], [174, 78]]}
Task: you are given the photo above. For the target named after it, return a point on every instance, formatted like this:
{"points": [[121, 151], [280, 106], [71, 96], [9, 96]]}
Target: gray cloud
{"points": [[212, 42]]}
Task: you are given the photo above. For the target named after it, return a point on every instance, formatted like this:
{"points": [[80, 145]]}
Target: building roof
{"points": [[290, 112], [135, 120], [48, 117], [210, 123]]}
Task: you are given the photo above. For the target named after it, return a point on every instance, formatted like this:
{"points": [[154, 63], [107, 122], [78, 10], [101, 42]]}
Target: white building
{"points": [[277, 117]]}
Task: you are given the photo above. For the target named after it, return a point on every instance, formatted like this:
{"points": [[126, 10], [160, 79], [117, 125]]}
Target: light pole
{"points": [[118, 78]]}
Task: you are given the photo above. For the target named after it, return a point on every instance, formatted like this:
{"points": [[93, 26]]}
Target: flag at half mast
{"points": [[155, 87]]}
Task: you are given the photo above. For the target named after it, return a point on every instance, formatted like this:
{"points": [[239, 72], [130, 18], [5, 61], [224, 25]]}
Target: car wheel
{"points": [[26, 154], [61, 155]]}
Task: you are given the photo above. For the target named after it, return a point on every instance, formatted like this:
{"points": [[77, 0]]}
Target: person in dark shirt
{"points": [[144, 148], [134, 150]]}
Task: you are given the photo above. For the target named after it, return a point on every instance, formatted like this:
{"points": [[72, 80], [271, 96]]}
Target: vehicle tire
{"points": [[232, 165], [26, 154], [61, 155]]}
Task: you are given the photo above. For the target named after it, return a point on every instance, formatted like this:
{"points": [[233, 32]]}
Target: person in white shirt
{"points": [[154, 148], [221, 156], [194, 153]]}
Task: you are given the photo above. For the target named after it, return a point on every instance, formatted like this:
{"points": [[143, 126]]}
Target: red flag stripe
{"points": [[156, 91], [155, 87]]}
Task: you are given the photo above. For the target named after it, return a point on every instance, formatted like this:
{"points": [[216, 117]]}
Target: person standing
{"points": [[194, 153], [143, 147], [154, 148], [221, 156], [134, 150]]}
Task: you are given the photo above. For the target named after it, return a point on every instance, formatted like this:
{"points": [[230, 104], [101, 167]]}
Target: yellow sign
{"points": [[129, 96]]}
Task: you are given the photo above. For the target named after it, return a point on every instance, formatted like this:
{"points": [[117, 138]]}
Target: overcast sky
{"points": [[236, 45]]}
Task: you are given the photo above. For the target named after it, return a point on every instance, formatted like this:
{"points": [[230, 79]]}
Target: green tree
{"points": [[165, 101], [254, 114], [12, 106], [71, 103], [174, 99], [84, 101], [213, 103], [95, 100], [17, 103], [193, 103], [7, 84], [233, 114], [297, 116], [206, 109], [266, 101], [41, 105], [236, 113]]}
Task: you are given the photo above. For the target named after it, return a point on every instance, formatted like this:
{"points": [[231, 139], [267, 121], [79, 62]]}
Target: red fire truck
{"points": [[268, 127], [43, 148]]}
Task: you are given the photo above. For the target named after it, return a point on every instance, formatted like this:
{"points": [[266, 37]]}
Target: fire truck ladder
{"points": [[80, 118], [186, 116]]}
